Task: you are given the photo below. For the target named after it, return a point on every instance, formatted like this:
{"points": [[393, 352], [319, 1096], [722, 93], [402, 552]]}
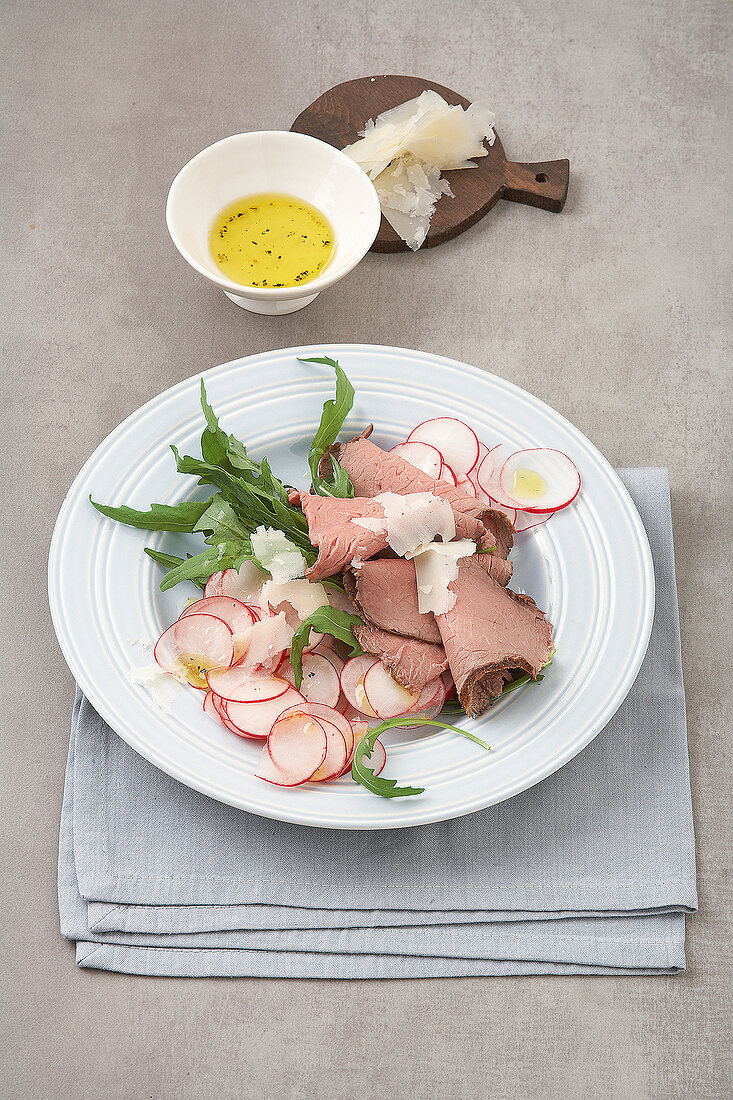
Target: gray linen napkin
{"points": [[589, 872]]}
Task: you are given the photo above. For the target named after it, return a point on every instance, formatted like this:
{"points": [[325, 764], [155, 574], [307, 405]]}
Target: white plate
{"points": [[589, 567]]}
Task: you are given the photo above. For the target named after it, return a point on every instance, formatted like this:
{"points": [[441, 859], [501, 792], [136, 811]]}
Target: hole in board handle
{"points": [[542, 177]]}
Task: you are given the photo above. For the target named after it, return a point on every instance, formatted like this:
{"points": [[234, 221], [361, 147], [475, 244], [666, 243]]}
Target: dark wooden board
{"points": [[342, 112]]}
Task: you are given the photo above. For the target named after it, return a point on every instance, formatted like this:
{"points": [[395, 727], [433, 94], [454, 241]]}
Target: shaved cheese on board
{"points": [[435, 568], [415, 520], [276, 554], [404, 150], [408, 192]]}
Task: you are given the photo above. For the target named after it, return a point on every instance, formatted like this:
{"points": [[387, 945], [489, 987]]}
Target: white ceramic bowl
{"points": [[283, 162]]}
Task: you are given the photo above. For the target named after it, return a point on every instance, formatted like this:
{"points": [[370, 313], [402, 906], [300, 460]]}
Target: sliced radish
{"points": [[210, 709], [457, 443], [233, 612], [483, 450], [343, 705], [433, 694], [525, 521], [378, 758], [297, 740], [257, 719], [422, 455], [358, 729], [220, 706], [296, 747], [328, 714], [385, 696], [447, 474], [193, 646], [320, 682], [239, 685], [211, 586], [263, 645], [485, 476], [467, 485], [323, 649], [540, 480], [337, 752], [243, 584], [352, 676]]}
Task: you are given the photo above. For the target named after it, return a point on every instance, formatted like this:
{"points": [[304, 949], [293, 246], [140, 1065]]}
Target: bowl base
{"points": [[271, 309]]}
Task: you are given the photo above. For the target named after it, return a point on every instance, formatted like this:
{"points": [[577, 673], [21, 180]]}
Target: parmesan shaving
{"points": [[435, 568], [405, 149], [415, 520], [162, 688], [370, 523], [263, 643], [277, 555], [304, 597], [296, 599]]}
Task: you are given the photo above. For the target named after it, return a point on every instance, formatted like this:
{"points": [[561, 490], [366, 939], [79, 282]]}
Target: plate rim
{"points": [[96, 696]]}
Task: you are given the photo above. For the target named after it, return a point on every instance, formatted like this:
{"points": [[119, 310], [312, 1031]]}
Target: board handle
{"points": [[543, 184]]}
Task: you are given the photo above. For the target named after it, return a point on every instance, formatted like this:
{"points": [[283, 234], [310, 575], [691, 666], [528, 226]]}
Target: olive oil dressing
{"points": [[271, 240]]}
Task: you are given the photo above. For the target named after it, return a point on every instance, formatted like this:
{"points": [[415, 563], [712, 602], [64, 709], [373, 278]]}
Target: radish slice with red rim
{"points": [[485, 476], [457, 443], [423, 456], [447, 474], [358, 729], [352, 677], [467, 485], [433, 694], [211, 586], [210, 709], [337, 752], [220, 706], [296, 747], [378, 759], [385, 696], [327, 714], [233, 612], [243, 584], [540, 479], [526, 521], [194, 646], [324, 650], [239, 685], [483, 450], [257, 719], [320, 682], [297, 740]]}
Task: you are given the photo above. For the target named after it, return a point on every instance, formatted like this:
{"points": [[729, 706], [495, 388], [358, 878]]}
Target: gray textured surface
{"points": [[615, 312]]}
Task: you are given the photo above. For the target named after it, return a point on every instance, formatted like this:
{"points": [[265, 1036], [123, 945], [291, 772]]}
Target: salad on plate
{"points": [[376, 597]]}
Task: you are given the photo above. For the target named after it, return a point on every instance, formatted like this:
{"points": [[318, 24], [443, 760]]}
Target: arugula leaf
{"points": [[332, 420], [214, 441], [163, 559], [254, 504], [324, 620], [160, 517], [225, 555], [387, 788], [220, 523]]}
